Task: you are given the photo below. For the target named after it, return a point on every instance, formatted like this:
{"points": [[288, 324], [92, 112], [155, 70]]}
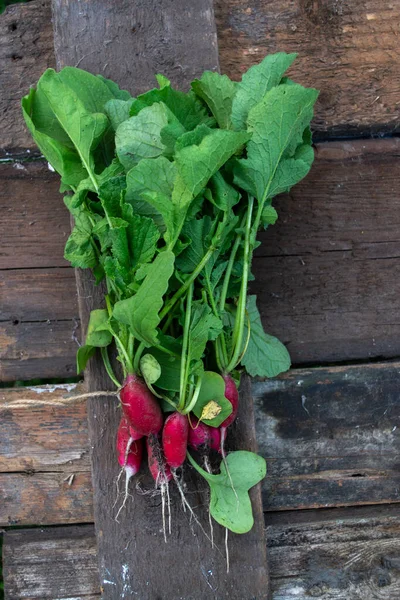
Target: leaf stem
{"points": [[185, 345], [108, 367], [195, 396]]}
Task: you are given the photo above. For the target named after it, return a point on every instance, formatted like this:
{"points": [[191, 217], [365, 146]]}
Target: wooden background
{"points": [[327, 280]]}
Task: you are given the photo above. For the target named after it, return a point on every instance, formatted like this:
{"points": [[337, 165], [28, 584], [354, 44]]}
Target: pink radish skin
{"points": [[140, 406], [175, 439], [199, 435], [159, 470], [231, 394], [135, 435], [129, 451], [215, 439]]}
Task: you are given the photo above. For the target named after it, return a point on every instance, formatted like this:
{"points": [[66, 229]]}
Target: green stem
{"points": [[195, 396], [238, 329], [203, 473], [123, 352], [138, 356], [229, 268], [179, 293], [185, 344], [108, 367]]}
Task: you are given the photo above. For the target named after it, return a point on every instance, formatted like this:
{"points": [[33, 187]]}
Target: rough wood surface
{"points": [[140, 40], [350, 554], [26, 50], [336, 554], [55, 564], [348, 50], [331, 436], [44, 459]]}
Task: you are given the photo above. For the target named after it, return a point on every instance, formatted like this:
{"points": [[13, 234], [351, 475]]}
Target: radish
{"points": [[140, 406], [130, 453], [159, 470], [231, 394], [175, 439], [135, 435], [199, 435], [215, 439]]}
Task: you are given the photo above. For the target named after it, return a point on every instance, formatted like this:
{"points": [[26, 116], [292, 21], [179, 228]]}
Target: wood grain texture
{"points": [[51, 564], [35, 223], [330, 436], [348, 50], [179, 40], [350, 554], [336, 554], [26, 50]]}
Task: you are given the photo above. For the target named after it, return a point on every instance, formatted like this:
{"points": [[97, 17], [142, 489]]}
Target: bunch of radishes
{"points": [[168, 191]]}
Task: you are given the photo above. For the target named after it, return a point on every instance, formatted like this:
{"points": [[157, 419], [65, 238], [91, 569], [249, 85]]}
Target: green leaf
{"points": [[143, 236], [204, 326], [224, 196], [230, 503], [265, 356], [269, 216], [150, 175], [99, 339], [292, 170], [218, 92], [150, 368], [79, 249], [186, 107], [277, 125], [84, 129], [193, 137], [197, 231], [115, 89], [82, 357], [212, 390], [170, 365], [256, 82], [110, 194], [140, 136], [141, 311], [118, 111], [198, 163]]}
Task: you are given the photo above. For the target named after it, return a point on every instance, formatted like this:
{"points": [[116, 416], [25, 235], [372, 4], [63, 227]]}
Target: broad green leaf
{"points": [[292, 170], [269, 216], [98, 318], [169, 136], [143, 236], [170, 365], [79, 249], [115, 89], [277, 125], [141, 311], [256, 82], [218, 92], [82, 356], [198, 163], [204, 326], [140, 136], [150, 368], [118, 111], [150, 175], [265, 356], [224, 196], [110, 194], [194, 137], [212, 389], [84, 129], [197, 231], [186, 107], [230, 503]]}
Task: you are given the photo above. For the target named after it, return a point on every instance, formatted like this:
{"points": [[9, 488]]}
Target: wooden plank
{"points": [[55, 563], [26, 50], [43, 438], [35, 223], [179, 40], [325, 271], [330, 436], [38, 350], [335, 554], [44, 458], [348, 50]]}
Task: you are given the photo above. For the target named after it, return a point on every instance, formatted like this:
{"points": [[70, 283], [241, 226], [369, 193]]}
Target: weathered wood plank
{"points": [[43, 438], [179, 40], [348, 50], [51, 564], [330, 436], [35, 223], [325, 271], [336, 554], [38, 350], [26, 50]]}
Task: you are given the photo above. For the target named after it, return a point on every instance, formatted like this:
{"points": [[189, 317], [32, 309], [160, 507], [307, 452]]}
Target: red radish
{"points": [[215, 439], [159, 470], [231, 394], [199, 435], [175, 439], [140, 406], [135, 435], [129, 455]]}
